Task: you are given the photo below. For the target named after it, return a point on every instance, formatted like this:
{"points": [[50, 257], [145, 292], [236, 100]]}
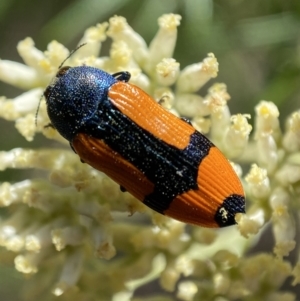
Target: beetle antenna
{"points": [[71, 53], [37, 110]]}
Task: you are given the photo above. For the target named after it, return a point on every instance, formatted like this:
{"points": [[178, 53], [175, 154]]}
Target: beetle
{"points": [[159, 158]]}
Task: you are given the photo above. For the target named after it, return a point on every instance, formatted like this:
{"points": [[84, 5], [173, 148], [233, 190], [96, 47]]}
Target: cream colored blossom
{"points": [[167, 71], [296, 273], [283, 223], [291, 139], [187, 290], [267, 118], [252, 222], [193, 77], [237, 135], [259, 184], [119, 30], [163, 44]]}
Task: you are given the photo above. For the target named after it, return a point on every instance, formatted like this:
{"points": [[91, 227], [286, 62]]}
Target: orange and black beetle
{"points": [[159, 158]]}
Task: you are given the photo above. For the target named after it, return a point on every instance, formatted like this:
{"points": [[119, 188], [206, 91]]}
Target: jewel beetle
{"points": [[161, 159]]}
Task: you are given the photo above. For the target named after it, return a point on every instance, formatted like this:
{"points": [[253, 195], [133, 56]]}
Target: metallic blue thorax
{"points": [[74, 97]]}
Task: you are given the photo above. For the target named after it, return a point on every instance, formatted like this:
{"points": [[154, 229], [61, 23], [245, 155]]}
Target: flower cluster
{"points": [[69, 227]]}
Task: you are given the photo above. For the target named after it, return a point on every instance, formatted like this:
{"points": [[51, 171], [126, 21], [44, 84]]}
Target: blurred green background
{"points": [[256, 43]]}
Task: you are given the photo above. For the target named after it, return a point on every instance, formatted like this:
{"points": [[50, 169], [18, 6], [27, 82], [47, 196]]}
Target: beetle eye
{"points": [[47, 92], [62, 71]]}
